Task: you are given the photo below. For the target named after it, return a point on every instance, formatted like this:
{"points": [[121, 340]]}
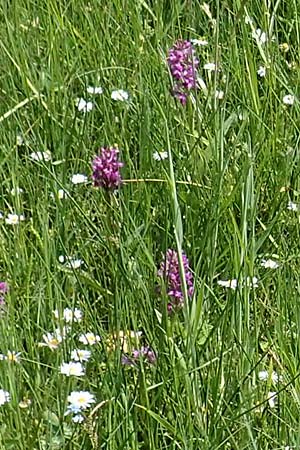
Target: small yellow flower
{"points": [[284, 47]]}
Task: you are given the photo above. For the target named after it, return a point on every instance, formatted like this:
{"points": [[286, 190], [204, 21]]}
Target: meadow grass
{"points": [[221, 197]]}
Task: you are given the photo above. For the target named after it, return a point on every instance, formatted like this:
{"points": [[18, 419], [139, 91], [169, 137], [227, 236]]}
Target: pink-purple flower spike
{"points": [[170, 271], [3, 287], [106, 169], [183, 65]]}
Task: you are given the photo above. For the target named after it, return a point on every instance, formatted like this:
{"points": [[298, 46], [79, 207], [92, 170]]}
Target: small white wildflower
{"points": [[272, 399], [80, 355], [293, 206], [79, 178], [199, 42], [83, 105], [4, 397], [16, 191], [263, 375], [69, 315], [120, 95], [51, 340], [260, 36], [41, 156], [74, 263], [288, 99], [1, 215], [211, 67], [72, 369], [219, 95], [261, 72], [228, 283], [269, 264], [80, 400], [159, 156], [14, 219], [89, 339], [78, 418], [94, 90], [70, 263]]}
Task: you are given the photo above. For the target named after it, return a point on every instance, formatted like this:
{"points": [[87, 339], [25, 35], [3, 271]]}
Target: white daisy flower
{"points": [[263, 375], [80, 355], [288, 99], [80, 400], [69, 315], [211, 67], [70, 263], [293, 206], [261, 72], [72, 369], [13, 356], [84, 106], [51, 340], [120, 95], [14, 219], [199, 42], [89, 339], [228, 283], [4, 397], [260, 36], [41, 156], [269, 264], [79, 178], [159, 156], [94, 90]]}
